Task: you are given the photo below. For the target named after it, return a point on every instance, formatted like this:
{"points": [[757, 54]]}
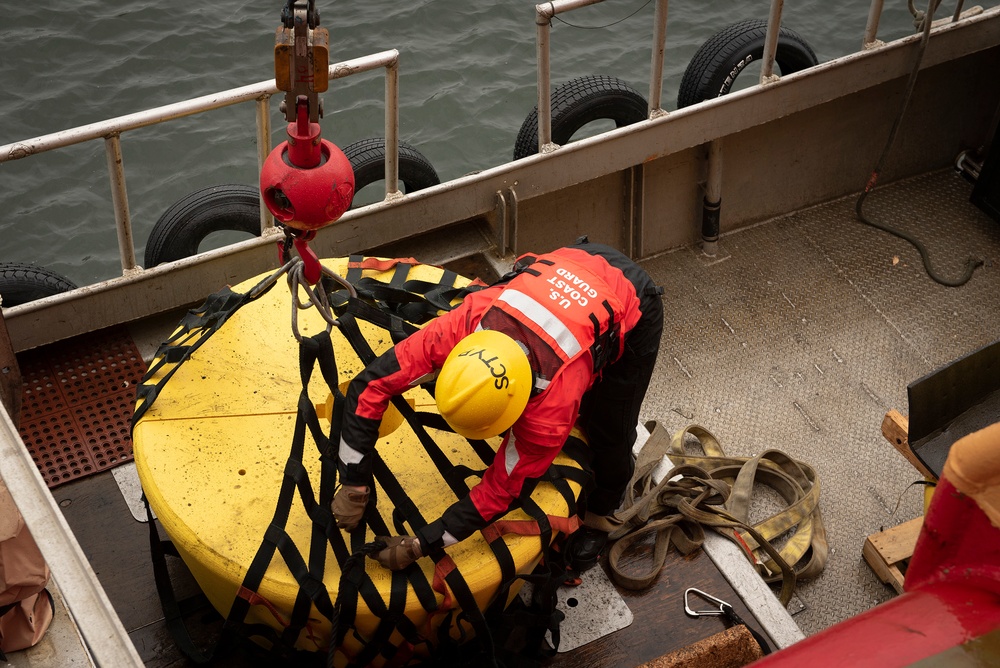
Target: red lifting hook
{"points": [[306, 182]]}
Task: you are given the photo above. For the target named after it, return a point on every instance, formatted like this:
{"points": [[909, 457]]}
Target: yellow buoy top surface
{"points": [[211, 453]]}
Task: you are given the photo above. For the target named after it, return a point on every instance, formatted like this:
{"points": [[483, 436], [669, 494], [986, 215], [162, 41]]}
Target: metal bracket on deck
{"points": [[592, 609], [505, 213]]}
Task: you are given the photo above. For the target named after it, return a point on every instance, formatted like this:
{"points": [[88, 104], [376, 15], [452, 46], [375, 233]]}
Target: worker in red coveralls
{"points": [[568, 337]]}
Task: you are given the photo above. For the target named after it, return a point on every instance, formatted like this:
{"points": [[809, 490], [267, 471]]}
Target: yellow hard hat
{"points": [[484, 384]]}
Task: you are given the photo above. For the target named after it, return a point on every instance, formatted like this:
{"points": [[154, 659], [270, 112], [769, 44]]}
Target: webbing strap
{"points": [[447, 571], [732, 615], [402, 301], [394, 306], [275, 538], [482, 449], [545, 617], [356, 263], [455, 477], [172, 613], [309, 350], [676, 512], [795, 481], [496, 530], [389, 617]]}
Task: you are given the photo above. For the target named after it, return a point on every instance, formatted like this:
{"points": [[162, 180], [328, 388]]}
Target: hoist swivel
{"points": [[306, 182]]}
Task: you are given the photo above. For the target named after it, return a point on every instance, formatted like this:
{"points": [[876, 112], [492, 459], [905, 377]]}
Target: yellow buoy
{"points": [[211, 452]]}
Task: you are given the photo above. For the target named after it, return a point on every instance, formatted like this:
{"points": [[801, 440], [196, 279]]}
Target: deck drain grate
{"points": [[77, 403]]}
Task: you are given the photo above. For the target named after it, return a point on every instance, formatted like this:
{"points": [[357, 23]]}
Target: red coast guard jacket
{"points": [[570, 309]]}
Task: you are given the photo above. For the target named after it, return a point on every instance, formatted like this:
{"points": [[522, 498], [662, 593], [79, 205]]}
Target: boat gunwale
{"points": [[474, 196]]}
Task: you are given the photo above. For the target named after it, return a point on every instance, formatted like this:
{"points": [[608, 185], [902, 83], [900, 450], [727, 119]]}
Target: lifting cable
{"points": [[972, 263], [606, 25]]}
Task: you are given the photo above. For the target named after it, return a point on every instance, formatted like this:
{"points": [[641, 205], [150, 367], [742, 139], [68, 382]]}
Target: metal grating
{"points": [[77, 404]]}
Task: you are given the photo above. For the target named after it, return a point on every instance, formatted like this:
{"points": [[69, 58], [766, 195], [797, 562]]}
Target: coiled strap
{"points": [[714, 490]]}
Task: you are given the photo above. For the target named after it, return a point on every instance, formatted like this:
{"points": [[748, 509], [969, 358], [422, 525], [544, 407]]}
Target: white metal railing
{"points": [[544, 13], [110, 131], [102, 630], [871, 28], [871, 40], [771, 42], [543, 24]]}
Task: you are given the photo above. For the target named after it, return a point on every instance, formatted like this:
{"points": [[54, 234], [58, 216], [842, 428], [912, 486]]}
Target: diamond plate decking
{"points": [[806, 330]]}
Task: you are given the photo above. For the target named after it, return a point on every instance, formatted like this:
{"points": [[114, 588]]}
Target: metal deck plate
{"points": [[592, 609], [808, 333], [127, 479]]}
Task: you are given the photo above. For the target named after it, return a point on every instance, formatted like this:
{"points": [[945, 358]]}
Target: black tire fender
{"points": [[182, 227], [367, 157], [718, 62], [21, 283], [578, 102]]}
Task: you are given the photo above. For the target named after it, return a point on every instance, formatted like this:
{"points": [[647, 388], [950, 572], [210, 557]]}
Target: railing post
{"points": [[712, 205], [10, 374], [119, 196], [392, 128], [871, 29], [543, 19], [771, 42], [656, 66], [264, 150]]}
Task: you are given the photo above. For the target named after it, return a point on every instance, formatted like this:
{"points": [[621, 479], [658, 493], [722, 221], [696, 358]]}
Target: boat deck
{"points": [[806, 330], [800, 335]]}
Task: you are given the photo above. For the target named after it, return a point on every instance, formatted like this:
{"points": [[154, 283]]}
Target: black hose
{"points": [[972, 263]]}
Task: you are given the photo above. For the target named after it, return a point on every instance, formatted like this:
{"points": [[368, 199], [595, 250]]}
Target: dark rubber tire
{"points": [[21, 283], [182, 227], [718, 62], [578, 102], [367, 157]]}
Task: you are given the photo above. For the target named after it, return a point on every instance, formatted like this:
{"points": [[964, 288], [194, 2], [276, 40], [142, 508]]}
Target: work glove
{"points": [[349, 506], [399, 552]]}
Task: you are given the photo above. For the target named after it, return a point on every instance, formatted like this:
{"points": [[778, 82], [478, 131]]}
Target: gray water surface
{"points": [[467, 81]]}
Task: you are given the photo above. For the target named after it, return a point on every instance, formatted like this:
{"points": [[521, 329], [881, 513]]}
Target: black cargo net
{"points": [[511, 635]]}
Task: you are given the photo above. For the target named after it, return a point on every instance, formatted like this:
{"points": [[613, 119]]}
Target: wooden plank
{"points": [[732, 648], [897, 543], [887, 551], [889, 574], [895, 429]]}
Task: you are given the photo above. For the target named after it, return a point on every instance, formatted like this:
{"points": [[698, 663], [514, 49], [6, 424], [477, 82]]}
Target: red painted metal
{"points": [[916, 625], [957, 545], [303, 138], [306, 182], [952, 595], [311, 268]]}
